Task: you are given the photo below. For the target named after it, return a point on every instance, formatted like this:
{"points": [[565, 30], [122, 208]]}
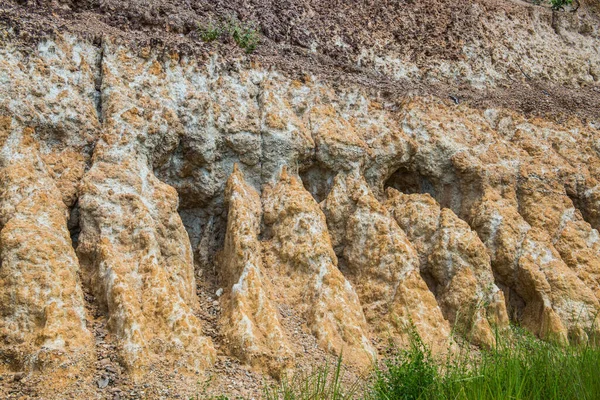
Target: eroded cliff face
{"points": [[163, 215]]}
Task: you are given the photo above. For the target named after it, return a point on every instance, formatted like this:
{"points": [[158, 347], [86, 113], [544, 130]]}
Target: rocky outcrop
{"points": [[335, 197], [549, 299], [383, 266], [137, 259], [456, 263], [47, 127], [42, 318], [468, 166], [301, 257], [250, 319], [544, 204], [134, 250]]}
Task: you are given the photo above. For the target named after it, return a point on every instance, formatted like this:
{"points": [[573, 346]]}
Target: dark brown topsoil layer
{"points": [[425, 31]]}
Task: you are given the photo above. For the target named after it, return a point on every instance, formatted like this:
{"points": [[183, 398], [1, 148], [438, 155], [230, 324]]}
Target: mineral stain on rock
{"points": [[177, 214]]}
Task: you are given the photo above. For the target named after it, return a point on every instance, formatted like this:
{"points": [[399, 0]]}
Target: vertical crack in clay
{"points": [[98, 79], [260, 102], [73, 224]]}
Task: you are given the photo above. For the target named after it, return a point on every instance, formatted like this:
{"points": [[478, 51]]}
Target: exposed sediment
{"points": [[42, 322], [456, 263], [224, 209], [250, 318], [383, 266], [305, 267]]}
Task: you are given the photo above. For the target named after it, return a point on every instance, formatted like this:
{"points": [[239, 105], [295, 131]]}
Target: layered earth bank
{"points": [[179, 218]]}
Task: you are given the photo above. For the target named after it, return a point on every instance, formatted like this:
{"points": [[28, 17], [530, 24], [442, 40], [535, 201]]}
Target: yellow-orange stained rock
{"points": [[250, 320], [456, 261], [42, 317], [383, 266], [300, 257]]}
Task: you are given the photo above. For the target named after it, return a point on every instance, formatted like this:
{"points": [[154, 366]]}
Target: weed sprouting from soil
{"points": [[519, 367], [245, 35]]}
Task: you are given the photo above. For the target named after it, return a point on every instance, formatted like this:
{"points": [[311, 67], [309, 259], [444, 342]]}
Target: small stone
{"points": [[219, 292], [105, 362], [18, 376], [101, 332], [103, 382], [215, 303]]}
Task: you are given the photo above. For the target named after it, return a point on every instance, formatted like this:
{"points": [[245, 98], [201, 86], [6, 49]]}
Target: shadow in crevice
{"points": [[73, 224], [589, 213], [318, 181], [206, 231], [450, 191], [460, 196], [410, 182]]}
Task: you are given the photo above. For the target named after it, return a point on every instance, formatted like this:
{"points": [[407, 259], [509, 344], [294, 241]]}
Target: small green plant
{"points": [[560, 4], [323, 383], [407, 374], [245, 35], [210, 32]]}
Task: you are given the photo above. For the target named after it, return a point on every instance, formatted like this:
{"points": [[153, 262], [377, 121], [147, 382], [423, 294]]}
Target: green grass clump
{"points": [[245, 35], [407, 374], [323, 383], [524, 368], [521, 367], [560, 4], [210, 32]]}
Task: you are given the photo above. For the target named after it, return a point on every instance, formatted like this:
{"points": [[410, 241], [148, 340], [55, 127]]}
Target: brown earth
{"points": [[424, 32]]}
